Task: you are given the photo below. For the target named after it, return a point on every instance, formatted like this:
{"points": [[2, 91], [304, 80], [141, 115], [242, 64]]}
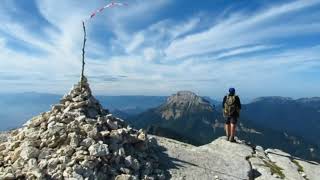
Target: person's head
{"points": [[232, 91]]}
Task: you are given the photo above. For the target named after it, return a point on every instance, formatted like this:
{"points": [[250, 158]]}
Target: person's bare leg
{"points": [[232, 131], [227, 129]]}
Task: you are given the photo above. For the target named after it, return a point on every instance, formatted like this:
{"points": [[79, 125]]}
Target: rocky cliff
{"points": [[182, 103], [184, 116], [223, 160]]}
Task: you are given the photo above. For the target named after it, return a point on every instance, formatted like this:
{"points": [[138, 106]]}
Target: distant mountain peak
{"points": [[186, 93], [183, 102], [272, 99], [186, 97], [309, 100]]}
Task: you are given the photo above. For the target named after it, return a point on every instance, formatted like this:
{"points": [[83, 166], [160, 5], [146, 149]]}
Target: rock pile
{"points": [[78, 139]]}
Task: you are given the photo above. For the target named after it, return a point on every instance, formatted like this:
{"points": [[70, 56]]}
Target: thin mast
{"points": [[83, 51]]}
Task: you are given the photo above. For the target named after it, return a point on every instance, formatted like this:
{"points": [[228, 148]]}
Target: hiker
{"points": [[231, 111]]}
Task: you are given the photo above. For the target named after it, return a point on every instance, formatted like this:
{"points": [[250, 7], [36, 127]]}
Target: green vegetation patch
{"points": [[300, 168], [274, 169]]}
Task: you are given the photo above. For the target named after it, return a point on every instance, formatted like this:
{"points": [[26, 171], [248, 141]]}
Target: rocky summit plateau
{"points": [[79, 139], [223, 160]]}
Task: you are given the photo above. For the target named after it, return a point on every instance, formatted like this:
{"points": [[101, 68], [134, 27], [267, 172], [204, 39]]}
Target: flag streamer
{"points": [[110, 5]]}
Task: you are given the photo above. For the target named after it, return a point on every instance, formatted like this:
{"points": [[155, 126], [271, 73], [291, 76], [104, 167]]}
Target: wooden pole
{"points": [[83, 51]]}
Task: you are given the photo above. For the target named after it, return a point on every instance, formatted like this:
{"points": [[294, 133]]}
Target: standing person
{"points": [[231, 111]]}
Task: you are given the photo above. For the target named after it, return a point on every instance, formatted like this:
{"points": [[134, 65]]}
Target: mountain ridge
{"points": [[295, 116], [198, 126]]}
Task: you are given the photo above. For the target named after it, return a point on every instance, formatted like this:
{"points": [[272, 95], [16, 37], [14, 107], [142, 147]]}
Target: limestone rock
{"points": [[142, 136], [9, 176], [29, 153], [125, 177], [219, 158], [311, 169], [87, 142], [36, 121], [132, 163], [76, 139], [112, 125], [99, 150], [3, 146], [261, 169], [282, 160]]}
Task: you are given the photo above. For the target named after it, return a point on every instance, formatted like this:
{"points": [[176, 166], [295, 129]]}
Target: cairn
{"points": [[78, 139]]}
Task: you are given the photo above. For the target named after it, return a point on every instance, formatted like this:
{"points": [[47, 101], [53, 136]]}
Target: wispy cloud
{"points": [[2, 43], [241, 29], [243, 50]]}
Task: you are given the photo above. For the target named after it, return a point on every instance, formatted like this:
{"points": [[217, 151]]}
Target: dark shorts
{"points": [[232, 120]]}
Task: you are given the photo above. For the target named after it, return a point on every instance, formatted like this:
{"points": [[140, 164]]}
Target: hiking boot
{"points": [[227, 138], [231, 139]]}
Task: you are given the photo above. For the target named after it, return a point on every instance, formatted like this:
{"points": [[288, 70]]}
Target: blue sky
{"points": [[261, 48]]}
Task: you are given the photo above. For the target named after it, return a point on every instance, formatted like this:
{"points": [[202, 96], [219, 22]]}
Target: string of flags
{"points": [[110, 5]]}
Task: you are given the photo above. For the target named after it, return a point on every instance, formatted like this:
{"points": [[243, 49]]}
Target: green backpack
{"points": [[230, 106]]}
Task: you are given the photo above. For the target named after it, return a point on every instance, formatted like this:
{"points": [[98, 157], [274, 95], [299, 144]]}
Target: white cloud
{"points": [[58, 11], [192, 59], [281, 10], [137, 40], [149, 54], [243, 50], [151, 41], [185, 27], [240, 30], [19, 32], [2, 43], [138, 10]]}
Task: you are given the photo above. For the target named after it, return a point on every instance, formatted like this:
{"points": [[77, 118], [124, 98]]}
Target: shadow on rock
{"points": [[167, 163]]}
